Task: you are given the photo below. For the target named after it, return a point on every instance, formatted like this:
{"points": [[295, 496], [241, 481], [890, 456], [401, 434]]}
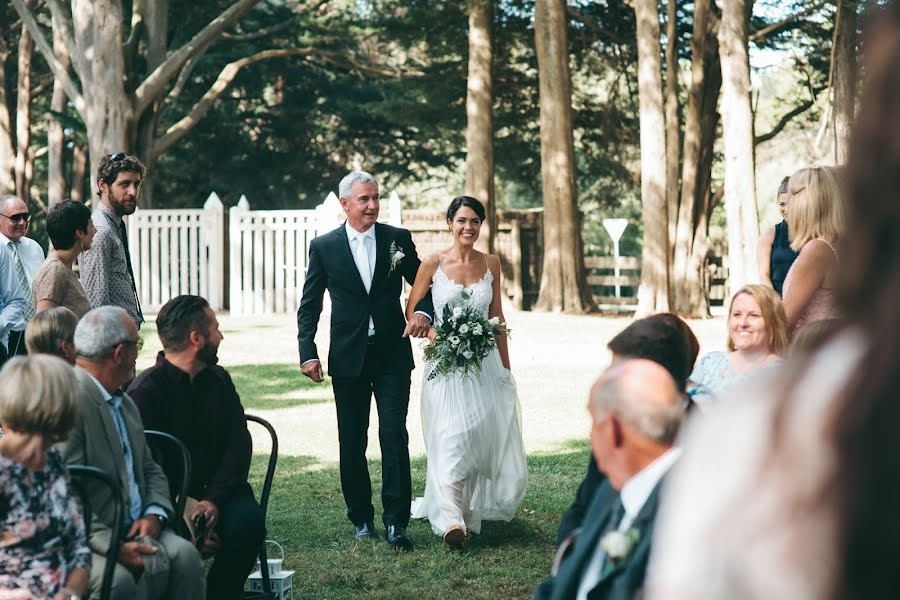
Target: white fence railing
{"points": [[182, 251]]}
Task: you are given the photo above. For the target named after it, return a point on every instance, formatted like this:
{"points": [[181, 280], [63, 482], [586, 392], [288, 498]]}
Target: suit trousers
{"points": [[184, 580], [353, 397], [241, 529]]}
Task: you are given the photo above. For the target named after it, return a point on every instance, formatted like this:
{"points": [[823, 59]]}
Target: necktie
{"points": [[123, 235], [615, 516], [23, 281], [362, 259]]}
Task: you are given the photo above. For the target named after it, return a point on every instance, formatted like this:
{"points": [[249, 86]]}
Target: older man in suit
{"points": [[637, 410], [153, 561]]}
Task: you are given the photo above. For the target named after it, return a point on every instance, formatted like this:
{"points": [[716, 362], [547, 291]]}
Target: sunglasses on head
{"points": [[116, 157], [18, 217]]}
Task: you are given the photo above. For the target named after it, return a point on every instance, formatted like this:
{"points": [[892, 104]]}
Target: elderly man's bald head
{"points": [[643, 395]]}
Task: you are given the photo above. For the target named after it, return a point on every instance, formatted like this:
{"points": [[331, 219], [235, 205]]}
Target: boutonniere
{"points": [[395, 254], [618, 545]]}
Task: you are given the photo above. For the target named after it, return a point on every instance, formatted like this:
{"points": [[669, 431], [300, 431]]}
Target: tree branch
{"points": [[59, 20], [156, 82], [785, 119], [762, 34], [258, 34], [47, 52]]}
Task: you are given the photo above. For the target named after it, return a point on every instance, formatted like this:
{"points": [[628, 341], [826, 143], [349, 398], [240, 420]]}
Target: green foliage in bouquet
{"points": [[464, 338]]}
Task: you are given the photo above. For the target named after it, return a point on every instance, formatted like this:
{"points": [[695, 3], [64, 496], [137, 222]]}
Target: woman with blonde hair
{"points": [[52, 331], [816, 215], [757, 336], [43, 544]]}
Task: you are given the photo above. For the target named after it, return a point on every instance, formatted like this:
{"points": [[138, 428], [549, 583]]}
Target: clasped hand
{"points": [[418, 326]]}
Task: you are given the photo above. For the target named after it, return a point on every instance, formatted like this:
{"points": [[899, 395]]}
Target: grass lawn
{"points": [[307, 517]]}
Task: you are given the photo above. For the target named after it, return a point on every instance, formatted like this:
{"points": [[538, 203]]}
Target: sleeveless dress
{"points": [[473, 432], [781, 257], [822, 305]]}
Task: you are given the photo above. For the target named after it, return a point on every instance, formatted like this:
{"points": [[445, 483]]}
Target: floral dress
{"points": [[42, 535]]}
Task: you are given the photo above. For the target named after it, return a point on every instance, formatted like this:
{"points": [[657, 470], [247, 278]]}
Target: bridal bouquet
{"points": [[464, 338]]}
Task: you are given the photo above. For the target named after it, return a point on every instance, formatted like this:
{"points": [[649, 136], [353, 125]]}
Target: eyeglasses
{"points": [[138, 343], [18, 217], [116, 157]]}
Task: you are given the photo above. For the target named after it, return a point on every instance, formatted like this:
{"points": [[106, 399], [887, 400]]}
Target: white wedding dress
{"points": [[473, 432]]}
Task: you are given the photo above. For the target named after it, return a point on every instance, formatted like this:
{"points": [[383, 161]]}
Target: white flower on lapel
{"points": [[395, 255], [619, 544]]}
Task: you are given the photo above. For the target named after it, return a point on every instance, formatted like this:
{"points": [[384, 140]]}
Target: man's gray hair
{"points": [[100, 330], [644, 396], [345, 188], [6, 198]]}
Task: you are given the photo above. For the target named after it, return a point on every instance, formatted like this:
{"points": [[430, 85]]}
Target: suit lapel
{"points": [[595, 520], [109, 429], [345, 256], [382, 253]]}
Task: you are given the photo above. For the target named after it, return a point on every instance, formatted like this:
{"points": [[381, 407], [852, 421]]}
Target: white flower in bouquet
{"points": [[454, 340], [468, 354], [457, 312], [477, 330], [464, 328], [465, 336], [495, 321]]}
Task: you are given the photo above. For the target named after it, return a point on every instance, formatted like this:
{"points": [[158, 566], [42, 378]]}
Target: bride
{"points": [[472, 424]]}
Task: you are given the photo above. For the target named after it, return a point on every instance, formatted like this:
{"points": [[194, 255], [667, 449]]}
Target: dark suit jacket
{"points": [[331, 267], [95, 442], [624, 581], [573, 517]]}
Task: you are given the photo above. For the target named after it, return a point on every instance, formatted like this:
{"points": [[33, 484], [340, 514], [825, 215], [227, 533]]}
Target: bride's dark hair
{"points": [[467, 201]]}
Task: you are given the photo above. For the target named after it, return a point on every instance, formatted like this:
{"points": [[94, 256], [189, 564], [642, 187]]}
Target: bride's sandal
{"points": [[455, 537]]}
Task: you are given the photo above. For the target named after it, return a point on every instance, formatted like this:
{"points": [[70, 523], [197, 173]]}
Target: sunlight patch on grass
{"points": [[271, 386]]}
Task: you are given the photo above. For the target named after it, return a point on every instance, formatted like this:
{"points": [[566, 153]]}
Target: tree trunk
{"points": [[7, 146], [843, 71], [563, 282], [56, 164], [653, 294], [737, 125], [691, 243], [673, 122], [79, 174], [479, 117], [23, 114]]}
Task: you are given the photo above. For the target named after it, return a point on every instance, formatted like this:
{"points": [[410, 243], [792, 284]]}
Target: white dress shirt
{"points": [[30, 253], [12, 302], [633, 495], [356, 238]]}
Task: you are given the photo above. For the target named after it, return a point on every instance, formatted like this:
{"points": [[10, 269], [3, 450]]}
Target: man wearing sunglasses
{"points": [[106, 270], [26, 256]]}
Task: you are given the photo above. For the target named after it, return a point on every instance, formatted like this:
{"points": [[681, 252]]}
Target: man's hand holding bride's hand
{"points": [[418, 326], [313, 370]]}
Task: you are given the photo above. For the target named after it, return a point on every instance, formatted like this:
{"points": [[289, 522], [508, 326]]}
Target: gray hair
{"points": [[644, 396], [100, 330], [4, 200], [345, 188]]}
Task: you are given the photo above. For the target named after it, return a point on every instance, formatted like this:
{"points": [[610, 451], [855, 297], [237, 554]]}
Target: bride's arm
{"points": [[423, 282], [496, 307]]}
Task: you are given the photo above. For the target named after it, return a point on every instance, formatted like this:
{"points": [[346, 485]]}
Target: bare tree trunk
{"points": [[79, 174], [737, 125], [701, 117], [479, 117], [673, 123], [563, 282], [843, 70], [7, 146], [653, 294], [23, 113], [56, 169], [153, 18]]}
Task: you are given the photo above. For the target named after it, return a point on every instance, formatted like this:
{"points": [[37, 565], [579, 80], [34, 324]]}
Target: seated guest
{"points": [[52, 331], [757, 336], [110, 436], [187, 395], [71, 231], [663, 338], [637, 410], [43, 545]]}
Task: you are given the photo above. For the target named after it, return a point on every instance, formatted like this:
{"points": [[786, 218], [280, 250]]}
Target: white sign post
{"points": [[615, 228]]}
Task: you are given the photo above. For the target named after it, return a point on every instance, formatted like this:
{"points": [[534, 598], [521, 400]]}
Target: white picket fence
{"points": [[182, 251]]}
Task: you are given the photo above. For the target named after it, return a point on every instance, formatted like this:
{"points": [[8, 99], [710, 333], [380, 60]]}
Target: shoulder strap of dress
{"points": [[829, 245]]}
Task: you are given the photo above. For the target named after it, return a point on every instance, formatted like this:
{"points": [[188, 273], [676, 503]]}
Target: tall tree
{"points": [[480, 117], [653, 294], [563, 282], [56, 175], [673, 119], [23, 116], [737, 125], [843, 75]]}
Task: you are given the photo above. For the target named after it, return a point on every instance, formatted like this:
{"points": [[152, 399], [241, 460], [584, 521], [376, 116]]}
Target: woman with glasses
{"points": [[71, 231]]}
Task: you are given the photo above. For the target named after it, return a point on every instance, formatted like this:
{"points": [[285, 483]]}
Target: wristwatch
{"points": [[70, 595]]}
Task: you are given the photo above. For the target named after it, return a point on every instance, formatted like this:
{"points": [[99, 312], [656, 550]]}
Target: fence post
{"points": [[328, 214], [395, 216], [212, 248], [235, 253]]}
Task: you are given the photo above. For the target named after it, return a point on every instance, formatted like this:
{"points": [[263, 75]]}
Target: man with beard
{"points": [[187, 395], [106, 272]]}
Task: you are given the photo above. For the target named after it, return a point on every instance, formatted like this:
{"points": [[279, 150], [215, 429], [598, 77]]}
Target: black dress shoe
{"points": [[365, 531], [396, 538]]}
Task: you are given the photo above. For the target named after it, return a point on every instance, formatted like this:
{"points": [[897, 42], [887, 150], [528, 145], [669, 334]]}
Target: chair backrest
{"points": [[174, 459], [264, 502], [78, 474]]}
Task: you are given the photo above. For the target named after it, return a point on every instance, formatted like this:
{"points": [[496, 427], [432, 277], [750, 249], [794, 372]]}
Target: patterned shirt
{"points": [[104, 268], [42, 535]]}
